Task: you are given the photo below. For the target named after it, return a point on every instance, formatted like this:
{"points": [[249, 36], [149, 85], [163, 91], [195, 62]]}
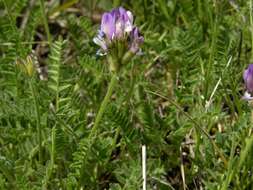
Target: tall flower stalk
{"points": [[103, 105], [27, 66], [119, 41], [37, 110]]}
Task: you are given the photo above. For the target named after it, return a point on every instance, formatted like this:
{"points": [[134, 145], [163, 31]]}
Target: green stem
{"points": [[98, 118], [50, 168], [52, 147], [114, 145], [103, 105], [36, 103], [230, 171], [211, 59], [116, 3], [42, 7]]}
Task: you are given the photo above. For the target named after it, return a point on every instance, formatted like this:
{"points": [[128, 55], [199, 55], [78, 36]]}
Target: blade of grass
{"points": [[196, 124], [45, 21]]}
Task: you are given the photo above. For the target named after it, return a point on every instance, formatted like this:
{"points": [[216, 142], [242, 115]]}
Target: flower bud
{"points": [[26, 66]]}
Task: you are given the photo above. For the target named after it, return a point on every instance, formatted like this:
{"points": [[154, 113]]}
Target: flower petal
{"points": [[248, 78], [108, 25], [247, 96], [136, 40], [129, 23], [99, 41]]}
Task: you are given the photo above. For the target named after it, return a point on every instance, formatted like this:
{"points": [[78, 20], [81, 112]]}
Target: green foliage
{"points": [[181, 96]]}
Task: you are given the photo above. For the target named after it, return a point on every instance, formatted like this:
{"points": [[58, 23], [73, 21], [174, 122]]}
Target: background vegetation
{"points": [[182, 97]]}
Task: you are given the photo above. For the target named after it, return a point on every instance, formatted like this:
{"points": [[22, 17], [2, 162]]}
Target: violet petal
{"points": [[248, 78], [108, 25]]}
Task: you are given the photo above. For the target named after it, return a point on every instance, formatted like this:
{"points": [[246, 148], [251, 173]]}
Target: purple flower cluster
{"points": [[117, 27], [248, 80]]}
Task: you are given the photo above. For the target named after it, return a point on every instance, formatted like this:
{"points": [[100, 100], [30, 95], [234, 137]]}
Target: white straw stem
{"points": [[208, 103]]}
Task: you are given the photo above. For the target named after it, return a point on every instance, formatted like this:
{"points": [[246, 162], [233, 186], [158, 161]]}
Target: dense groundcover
{"points": [[79, 98]]}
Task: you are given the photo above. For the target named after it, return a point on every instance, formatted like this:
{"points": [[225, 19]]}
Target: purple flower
{"points": [[108, 25], [248, 78], [136, 39], [124, 22], [117, 31]]}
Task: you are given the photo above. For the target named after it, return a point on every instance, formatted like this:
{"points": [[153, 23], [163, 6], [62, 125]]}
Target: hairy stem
{"points": [[98, 118], [36, 104], [50, 168], [103, 105]]}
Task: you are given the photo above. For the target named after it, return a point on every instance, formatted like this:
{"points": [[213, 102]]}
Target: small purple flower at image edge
{"points": [[248, 81]]}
